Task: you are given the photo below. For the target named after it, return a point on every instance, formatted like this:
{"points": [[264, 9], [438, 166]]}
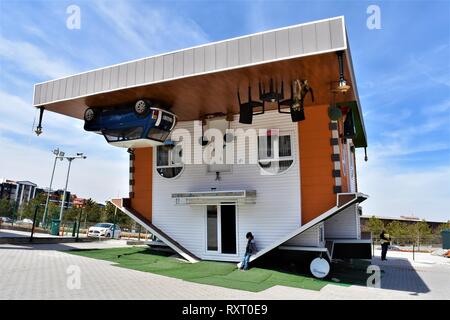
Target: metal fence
{"points": [[411, 244], [71, 229], [420, 243]]}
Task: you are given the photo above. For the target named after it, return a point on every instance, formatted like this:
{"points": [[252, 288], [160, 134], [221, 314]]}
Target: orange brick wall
{"points": [[317, 195], [143, 176]]}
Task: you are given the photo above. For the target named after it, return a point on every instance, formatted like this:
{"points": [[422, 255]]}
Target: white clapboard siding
{"points": [[276, 212], [344, 225], [309, 238], [358, 224], [295, 41]]}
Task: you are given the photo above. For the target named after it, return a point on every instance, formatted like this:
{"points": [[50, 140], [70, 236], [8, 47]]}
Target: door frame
{"points": [[219, 229]]}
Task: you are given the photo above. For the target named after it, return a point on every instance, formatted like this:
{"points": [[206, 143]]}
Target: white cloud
{"points": [[20, 116], [100, 178], [149, 30], [424, 193], [104, 174], [33, 60], [442, 107]]}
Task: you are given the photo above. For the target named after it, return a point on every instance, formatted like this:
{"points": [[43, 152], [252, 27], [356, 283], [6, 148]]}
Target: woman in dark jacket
{"points": [[249, 250]]}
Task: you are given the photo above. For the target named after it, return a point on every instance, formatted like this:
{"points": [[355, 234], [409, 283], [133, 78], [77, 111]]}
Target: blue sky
{"points": [[403, 74]]}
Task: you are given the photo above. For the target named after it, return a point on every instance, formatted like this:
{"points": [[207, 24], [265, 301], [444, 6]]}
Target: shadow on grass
{"points": [[291, 262], [221, 274]]}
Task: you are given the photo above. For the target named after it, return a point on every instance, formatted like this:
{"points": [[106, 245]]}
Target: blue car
{"points": [[143, 125]]}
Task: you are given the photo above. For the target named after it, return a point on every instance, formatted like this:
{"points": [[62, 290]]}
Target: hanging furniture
{"points": [[246, 112], [299, 90]]}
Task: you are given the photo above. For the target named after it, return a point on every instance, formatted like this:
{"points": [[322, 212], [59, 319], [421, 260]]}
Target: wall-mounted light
{"points": [[342, 86], [38, 130]]}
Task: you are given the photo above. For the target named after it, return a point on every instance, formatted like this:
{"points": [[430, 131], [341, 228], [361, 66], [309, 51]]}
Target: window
{"points": [[158, 134], [351, 165], [168, 160], [275, 153], [345, 151], [211, 225], [123, 134]]}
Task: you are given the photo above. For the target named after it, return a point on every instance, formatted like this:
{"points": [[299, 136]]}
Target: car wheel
{"points": [[89, 115], [141, 107], [108, 235]]}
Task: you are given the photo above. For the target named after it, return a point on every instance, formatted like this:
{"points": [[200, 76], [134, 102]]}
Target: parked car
{"points": [[105, 230], [6, 220], [143, 124], [25, 221]]}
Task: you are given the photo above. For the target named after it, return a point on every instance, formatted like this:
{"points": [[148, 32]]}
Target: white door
{"points": [[221, 229]]}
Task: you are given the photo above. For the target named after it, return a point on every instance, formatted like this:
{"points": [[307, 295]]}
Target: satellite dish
{"points": [[319, 267]]}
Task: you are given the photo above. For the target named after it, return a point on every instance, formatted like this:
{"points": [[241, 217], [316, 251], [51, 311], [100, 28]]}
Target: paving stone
{"points": [[41, 272]]}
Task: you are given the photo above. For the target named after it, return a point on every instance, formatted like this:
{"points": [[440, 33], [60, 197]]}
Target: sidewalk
{"points": [[7, 233], [41, 272]]}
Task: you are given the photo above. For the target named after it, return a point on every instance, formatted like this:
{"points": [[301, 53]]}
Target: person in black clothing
{"points": [[249, 250], [385, 241]]}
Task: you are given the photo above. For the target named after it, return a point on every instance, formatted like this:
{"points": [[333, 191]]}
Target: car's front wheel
{"points": [[141, 107], [89, 115]]}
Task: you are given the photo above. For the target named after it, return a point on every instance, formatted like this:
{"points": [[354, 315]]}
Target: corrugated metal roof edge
{"points": [[202, 45]]}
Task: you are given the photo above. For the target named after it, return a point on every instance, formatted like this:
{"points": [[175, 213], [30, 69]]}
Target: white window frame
{"points": [[278, 158], [351, 167], [170, 165]]}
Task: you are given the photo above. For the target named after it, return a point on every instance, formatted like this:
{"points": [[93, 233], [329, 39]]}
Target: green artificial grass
{"points": [[206, 272]]}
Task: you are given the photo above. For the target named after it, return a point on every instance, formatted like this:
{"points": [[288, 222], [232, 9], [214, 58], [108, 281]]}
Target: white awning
{"points": [[215, 197]]}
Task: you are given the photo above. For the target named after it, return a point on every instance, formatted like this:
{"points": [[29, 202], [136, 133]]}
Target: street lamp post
{"points": [[70, 159], [57, 154]]}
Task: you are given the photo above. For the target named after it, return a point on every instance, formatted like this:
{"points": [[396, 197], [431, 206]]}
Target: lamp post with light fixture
{"points": [[57, 154], [70, 159]]}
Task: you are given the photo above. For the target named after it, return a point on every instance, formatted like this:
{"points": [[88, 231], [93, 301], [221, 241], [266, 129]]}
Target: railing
{"points": [[70, 228], [412, 244]]}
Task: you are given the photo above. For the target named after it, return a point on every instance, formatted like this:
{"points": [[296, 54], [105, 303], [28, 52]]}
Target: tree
{"points": [[27, 209], [6, 207], [399, 232], [419, 231], [110, 214], [71, 214], [374, 225], [92, 211], [442, 227]]}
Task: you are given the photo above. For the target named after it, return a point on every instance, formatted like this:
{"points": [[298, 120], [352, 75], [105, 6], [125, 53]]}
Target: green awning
{"points": [[360, 140]]}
